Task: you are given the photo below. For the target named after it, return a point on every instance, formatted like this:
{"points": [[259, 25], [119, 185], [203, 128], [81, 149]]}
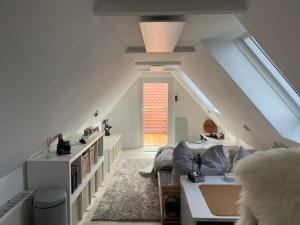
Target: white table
{"points": [[193, 205]]}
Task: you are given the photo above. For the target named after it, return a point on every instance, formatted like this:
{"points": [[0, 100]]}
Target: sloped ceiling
{"points": [[235, 107], [275, 25], [58, 64]]}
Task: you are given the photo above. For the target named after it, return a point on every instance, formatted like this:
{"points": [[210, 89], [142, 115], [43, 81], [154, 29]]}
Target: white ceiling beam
{"points": [[151, 63], [167, 7], [178, 49]]}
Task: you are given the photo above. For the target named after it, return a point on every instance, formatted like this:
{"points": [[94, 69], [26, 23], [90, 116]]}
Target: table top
{"points": [[196, 201]]}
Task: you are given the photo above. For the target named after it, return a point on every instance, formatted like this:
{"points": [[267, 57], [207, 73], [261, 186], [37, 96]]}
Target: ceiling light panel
{"points": [[157, 68], [161, 36]]}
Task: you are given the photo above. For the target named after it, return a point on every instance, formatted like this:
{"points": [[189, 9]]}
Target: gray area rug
{"points": [[130, 196]]}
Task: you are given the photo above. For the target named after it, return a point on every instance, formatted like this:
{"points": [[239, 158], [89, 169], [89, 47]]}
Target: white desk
{"points": [[193, 205]]}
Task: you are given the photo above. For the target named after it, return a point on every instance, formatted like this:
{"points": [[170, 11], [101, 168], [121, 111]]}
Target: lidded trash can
{"points": [[50, 207]]}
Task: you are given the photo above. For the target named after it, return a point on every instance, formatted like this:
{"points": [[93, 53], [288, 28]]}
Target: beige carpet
{"points": [[129, 196]]}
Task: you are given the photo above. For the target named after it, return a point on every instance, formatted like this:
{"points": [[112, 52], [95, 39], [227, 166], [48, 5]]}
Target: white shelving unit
{"points": [[93, 161], [112, 147], [56, 172]]}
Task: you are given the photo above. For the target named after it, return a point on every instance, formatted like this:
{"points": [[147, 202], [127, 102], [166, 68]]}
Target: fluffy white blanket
{"points": [[270, 187]]}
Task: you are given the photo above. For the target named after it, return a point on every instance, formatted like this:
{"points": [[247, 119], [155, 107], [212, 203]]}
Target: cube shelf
{"points": [[80, 173]]}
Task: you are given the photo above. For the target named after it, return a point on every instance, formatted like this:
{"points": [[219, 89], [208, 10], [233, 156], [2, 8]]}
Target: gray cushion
{"points": [[241, 153], [214, 161], [236, 155], [182, 162]]}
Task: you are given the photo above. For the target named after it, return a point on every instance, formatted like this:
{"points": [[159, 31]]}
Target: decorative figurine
{"points": [[87, 133], [63, 147], [106, 127], [221, 136], [196, 177]]}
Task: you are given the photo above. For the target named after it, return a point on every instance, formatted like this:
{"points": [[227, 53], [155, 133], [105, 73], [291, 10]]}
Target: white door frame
{"points": [[171, 115]]}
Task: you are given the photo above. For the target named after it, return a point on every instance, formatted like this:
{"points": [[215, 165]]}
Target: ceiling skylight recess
{"points": [[262, 62], [255, 74], [197, 92]]}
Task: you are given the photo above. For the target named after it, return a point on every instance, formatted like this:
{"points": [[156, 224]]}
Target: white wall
{"points": [[58, 64], [187, 107], [125, 117]]}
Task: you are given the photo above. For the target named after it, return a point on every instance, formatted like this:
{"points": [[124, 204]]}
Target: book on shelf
{"points": [[74, 178]]}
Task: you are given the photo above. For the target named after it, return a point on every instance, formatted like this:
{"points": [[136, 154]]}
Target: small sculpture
{"points": [[87, 133], [196, 177], [106, 127], [63, 147], [198, 160]]}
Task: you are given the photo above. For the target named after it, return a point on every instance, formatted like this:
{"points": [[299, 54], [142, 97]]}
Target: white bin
{"points": [[50, 207]]}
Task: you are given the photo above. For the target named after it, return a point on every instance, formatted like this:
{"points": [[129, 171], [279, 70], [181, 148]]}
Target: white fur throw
{"points": [[270, 187]]}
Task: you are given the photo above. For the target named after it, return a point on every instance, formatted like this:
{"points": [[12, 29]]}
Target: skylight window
{"points": [[251, 69], [274, 76], [198, 92]]}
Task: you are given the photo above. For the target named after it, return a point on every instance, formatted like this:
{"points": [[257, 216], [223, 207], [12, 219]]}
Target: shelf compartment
{"points": [[93, 185], [115, 152], [85, 162], [93, 154], [99, 177], [100, 151], [85, 198], [86, 180], [76, 211], [75, 174], [106, 166], [111, 158]]}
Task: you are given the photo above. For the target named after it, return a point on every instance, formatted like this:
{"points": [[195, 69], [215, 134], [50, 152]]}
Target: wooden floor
{"points": [[126, 154], [155, 139]]}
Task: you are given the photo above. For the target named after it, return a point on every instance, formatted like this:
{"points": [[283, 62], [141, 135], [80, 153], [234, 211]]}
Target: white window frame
{"points": [[267, 75]]}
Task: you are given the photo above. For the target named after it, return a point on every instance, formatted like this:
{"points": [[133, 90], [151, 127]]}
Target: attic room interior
{"points": [[150, 112]]}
